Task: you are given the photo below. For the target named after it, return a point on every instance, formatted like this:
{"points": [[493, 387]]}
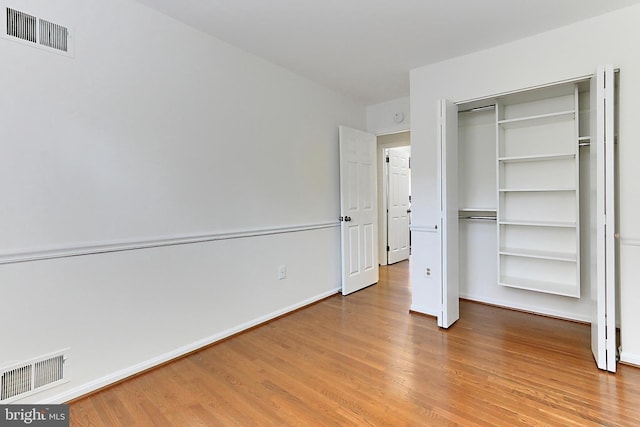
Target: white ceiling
{"points": [[365, 48]]}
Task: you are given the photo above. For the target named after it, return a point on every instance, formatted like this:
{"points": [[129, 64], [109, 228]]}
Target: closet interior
{"points": [[524, 184]]}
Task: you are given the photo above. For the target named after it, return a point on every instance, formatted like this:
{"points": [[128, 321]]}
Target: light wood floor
{"points": [[365, 360]]}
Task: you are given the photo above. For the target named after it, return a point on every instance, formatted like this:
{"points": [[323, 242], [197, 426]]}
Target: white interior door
{"points": [[398, 188], [358, 209], [448, 200], [603, 277]]}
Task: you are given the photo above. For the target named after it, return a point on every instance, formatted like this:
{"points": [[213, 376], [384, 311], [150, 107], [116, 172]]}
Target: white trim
{"points": [[128, 245], [630, 242], [632, 359], [403, 127], [528, 308], [167, 357], [422, 310], [540, 86], [424, 228]]}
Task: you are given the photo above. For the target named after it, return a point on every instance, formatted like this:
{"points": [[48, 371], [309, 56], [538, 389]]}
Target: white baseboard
{"points": [[533, 309], [423, 310], [99, 383], [632, 359]]}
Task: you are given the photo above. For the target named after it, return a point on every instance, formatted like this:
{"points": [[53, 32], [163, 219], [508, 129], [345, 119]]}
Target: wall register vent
{"points": [[37, 32], [32, 376], [21, 25], [53, 35]]}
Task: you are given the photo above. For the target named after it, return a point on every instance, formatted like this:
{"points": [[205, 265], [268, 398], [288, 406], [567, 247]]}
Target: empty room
{"points": [[320, 213]]}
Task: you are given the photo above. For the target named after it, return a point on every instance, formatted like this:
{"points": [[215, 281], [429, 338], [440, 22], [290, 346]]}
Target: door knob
{"points": [[347, 218]]}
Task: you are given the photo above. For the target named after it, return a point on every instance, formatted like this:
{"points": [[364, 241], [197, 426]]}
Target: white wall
{"points": [[155, 131], [564, 53], [382, 119]]}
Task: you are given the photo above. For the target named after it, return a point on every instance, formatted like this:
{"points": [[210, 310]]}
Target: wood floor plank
{"points": [[364, 359]]}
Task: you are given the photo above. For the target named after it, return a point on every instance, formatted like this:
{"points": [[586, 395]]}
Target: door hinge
{"points": [[388, 248], [387, 159]]}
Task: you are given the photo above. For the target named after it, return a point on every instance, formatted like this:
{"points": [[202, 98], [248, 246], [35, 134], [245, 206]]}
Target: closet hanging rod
{"points": [[473, 110], [485, 218]]}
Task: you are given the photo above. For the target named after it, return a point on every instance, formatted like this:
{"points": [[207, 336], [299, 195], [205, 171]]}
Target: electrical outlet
{"points": [[427, 272], [282, 272]]}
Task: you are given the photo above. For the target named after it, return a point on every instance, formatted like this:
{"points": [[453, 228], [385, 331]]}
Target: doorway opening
{"points": [[536, 205], [394, 195]]}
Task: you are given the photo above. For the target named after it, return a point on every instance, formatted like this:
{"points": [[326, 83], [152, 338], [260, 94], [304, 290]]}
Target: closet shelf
{"points": [[530, 253], [487, 214], [494, 210], [556, 288], [584, 141], [533, 223], [541, 119], [537, 158], [536, 190]]}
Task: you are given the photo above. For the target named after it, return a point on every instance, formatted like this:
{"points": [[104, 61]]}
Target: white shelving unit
{"points": [[538, 191]]}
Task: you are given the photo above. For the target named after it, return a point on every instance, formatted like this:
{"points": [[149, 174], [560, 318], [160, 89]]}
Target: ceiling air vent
{"points": [[53, 35], [21, 25], [37, 32]]}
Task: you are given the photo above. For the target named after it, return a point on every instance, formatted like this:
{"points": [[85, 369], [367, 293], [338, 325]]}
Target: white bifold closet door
{"points": [[603, 254], [448, 206]]}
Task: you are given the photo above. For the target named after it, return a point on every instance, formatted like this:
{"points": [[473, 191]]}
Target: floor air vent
{"points": [[37, 32], [32, 376]]}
